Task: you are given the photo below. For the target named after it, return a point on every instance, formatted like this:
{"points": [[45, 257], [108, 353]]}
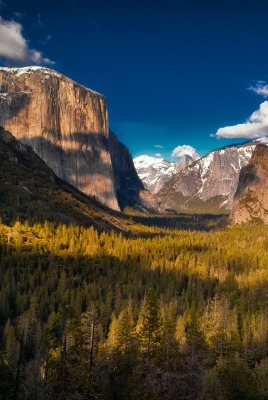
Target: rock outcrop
{"points": [[251, 198], [67, 126]]}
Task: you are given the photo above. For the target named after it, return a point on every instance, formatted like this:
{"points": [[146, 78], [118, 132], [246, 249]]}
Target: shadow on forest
{"points": [[56, 280], [192, 222]]}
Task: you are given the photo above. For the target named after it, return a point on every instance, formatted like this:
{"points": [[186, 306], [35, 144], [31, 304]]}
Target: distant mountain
{"points": [[209, 184], [155, 172], [29, 190], [67, 126], [251, 197]]}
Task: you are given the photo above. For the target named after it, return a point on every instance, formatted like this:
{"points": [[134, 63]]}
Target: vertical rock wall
{"points": [[65, 123]]}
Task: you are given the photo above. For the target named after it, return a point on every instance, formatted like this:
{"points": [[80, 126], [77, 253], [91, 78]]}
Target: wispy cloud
{"points": [[159, 146], [158, 155], [14, 47], [185, 149], [255, 126], [46, 40], [19, 14], [99, 28], [39, 22], [261, 88]]}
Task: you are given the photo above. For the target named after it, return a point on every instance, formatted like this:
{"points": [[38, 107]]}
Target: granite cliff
{"points": [[251, 197], [66, 124]]}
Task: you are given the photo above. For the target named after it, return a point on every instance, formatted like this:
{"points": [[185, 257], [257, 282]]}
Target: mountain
{"points": [[155, 172], [251, 197], [29, 190], [66, 124], [209, 184]]}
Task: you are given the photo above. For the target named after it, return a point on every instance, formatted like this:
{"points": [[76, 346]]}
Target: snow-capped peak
{"points": [[145, 161], [154, 172]]}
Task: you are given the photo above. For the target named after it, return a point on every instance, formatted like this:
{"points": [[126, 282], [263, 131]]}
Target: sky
{"points": [[179, 77]]}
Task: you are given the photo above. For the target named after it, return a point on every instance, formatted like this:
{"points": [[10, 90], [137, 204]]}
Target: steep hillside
{"points": [[67, 126], [251, 197], [30, 190]]}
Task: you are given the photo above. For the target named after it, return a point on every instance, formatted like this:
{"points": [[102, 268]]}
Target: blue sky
{"points": [[173, 74]]}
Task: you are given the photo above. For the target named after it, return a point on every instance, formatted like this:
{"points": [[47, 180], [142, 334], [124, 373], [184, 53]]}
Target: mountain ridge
{"points": [[208, 184]]}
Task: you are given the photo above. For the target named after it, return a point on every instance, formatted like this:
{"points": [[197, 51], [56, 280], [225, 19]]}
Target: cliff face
{"points": [[65, 123], [129, 188], [251, 198]]}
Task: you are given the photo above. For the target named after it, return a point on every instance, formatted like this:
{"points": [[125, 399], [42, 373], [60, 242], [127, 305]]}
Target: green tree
{"points": [[148, 325], [230, 379]]}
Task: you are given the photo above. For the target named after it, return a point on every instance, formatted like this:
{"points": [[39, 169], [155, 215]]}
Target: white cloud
{"points": [[159, 146], [256, 126], [185, 149], [158, 155], [14, 47], [260, 88]]}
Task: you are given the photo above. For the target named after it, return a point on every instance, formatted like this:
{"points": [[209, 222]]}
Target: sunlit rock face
{"points": [[65, 123], [67, 126], [251, 197]]}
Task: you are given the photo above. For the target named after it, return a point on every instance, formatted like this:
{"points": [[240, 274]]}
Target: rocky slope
{"points": [[209, 184], [251, 198], [67, 126], [29, 190], [155, 172]]}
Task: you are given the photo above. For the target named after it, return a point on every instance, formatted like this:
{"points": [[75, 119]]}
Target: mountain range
{"points": [[205, 185]]}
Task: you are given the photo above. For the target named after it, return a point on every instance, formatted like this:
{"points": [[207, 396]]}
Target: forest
{"points": [[164, 313]]}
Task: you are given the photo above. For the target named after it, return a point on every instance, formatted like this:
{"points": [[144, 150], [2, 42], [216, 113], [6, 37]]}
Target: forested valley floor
{"points": [[164, 313]]}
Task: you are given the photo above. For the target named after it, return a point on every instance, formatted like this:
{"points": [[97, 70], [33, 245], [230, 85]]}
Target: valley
{"points": [[109, 291]]}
